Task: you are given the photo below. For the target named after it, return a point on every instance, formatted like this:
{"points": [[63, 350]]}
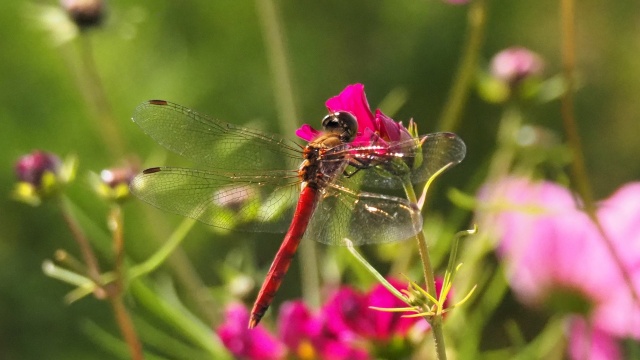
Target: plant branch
{"points": [[452, 111], [436, 320], [579, 174]]}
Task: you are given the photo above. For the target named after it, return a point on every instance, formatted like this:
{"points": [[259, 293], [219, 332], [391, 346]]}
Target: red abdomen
{"points": [[304, 210]]}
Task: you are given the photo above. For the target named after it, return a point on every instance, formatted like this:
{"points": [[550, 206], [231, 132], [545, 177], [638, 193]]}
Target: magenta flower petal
{"points": [[337, 350], [388, 324], [306, 132], [353, 100], [244, 343], [586, 342], [344, 313], [378, 128], [309, 336], [296, 323], [390, 130], [349, 313]]}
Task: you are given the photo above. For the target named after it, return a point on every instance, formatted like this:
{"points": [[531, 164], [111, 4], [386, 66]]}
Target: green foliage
{"points": [[71, 92]]}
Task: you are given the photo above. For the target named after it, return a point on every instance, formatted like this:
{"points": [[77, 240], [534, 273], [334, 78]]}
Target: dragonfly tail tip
{"points": [[253, 322]]}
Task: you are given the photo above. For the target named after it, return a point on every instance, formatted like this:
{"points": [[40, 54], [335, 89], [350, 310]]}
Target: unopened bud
{"points": [[85, 13]]}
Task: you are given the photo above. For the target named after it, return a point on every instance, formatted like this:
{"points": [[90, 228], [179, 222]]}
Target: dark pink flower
{"points": [[244, 343], [516, 63], [370, 128], [308, 337], [349, 310], [31, 167], [587, 342]]}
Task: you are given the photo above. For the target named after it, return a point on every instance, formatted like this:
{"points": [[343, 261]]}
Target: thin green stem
{"points": [[96, 97], [436, 320], [116, 223], [88, 256], [578, 167], [123, 319], [459, 93], [155, 260], [579, 174], [277, 55], [179, 318], [283, 89], [115, 290], [183, 271]]}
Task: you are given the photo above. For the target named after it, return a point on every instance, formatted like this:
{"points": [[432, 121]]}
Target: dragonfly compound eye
{"points": [[341, 123]]}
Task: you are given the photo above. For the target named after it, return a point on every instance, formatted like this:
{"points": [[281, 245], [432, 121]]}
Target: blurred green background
{"points": [[211, 56]]}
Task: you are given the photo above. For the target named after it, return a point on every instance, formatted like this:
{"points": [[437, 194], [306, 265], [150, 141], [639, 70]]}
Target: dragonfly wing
{"points": [[239, 201], [438, 150], [362, 217], [213, 142], [424, 157]]}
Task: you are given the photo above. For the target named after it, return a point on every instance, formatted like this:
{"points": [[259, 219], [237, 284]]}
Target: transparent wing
{"points": [[240, 201], [213, 142], [362, 217], [422, 157]]}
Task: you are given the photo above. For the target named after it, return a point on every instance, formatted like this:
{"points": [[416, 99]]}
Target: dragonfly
{"points": [[256, 181]]}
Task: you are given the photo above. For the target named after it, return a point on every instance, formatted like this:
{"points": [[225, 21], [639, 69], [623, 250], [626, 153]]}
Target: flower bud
{"points": [[515, 64], [113, 183], [40, 175], [31, 168], [85, 13]]}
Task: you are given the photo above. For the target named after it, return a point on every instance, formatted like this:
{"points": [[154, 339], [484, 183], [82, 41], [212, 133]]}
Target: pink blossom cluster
{"points": [[556, 257], [344, 328]]}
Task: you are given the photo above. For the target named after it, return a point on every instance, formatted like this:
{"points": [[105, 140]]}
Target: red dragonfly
{"points": [[254, 179]]}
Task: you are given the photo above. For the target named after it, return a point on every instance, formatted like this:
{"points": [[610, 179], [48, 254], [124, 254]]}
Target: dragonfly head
{"points": [[342, 123]]}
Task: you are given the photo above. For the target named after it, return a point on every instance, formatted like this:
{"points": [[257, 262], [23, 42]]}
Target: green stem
{"points": [[165, 250], [579, 174], [89, 258], [115, 290], [96, 98], [436, 320], [451, 114], [126, 327], [277, 55], [177, 317]]}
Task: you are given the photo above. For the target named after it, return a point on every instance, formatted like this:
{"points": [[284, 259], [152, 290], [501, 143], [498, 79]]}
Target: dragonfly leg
{"points": [[348, 174]]}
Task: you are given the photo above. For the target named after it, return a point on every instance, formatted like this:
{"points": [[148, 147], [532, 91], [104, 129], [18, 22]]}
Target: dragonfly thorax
{"points": [[314, 172]]}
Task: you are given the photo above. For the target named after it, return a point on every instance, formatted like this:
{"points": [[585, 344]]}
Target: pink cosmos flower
{"points": [[587, 342], [555, 256], [377, 128], [244, 343], [308, 336], [620, 218], [516, 63], [545, 240]]}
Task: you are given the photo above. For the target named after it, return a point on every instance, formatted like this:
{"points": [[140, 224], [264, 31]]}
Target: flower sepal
{"points": [[113, 184]]}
